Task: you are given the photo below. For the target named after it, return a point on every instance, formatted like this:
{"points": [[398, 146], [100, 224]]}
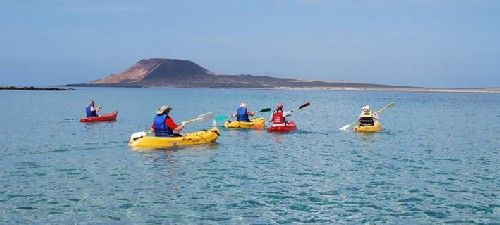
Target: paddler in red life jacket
{"points": [[92, 110], [278, 116], [242, 113], [367, 117], [163, 125]]}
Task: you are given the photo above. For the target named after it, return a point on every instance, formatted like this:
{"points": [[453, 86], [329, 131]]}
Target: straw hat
{"points": [[163, 109]]}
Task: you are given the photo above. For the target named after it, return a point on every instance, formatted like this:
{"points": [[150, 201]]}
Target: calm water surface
{"points": [[437, 161]]}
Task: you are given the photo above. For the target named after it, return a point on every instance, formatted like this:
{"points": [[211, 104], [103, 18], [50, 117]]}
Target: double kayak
{"points": [[368, 129], [257, 123], [194, 138], [282, 128], [106, 117]]}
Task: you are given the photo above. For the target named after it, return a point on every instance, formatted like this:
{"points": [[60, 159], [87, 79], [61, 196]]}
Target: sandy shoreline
{"points": [[442, 90], [375, 89], [32, 88]]}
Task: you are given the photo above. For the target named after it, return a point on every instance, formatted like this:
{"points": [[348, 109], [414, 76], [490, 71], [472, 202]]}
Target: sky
{"points": [[434, 43]]}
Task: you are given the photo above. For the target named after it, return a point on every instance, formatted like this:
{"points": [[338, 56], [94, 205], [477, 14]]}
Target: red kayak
{"points": [[282, 128], [101, 118]]}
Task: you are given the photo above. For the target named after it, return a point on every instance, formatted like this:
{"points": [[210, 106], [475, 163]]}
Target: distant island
{"points": [[162, 72]]}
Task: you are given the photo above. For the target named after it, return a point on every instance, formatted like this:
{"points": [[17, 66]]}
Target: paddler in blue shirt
{"points": [[92, 110], [242, 113]]}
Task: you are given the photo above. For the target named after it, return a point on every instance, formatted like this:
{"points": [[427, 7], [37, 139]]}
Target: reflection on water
{"points": [[434, 169]]}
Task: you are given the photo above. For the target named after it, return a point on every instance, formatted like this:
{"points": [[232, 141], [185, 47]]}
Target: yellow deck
{"points": [[257, 123], [194, 138]]}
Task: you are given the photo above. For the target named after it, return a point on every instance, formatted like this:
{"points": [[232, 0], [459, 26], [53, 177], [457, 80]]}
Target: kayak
{"points": [[106, 117], [194, 138], [368, 129], [286, 127], [257, 123]]}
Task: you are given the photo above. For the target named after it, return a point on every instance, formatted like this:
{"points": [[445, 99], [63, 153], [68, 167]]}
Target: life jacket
{"points": [[89, 112], [278, 117], [242, 114], [161, 130], [366, 119]]}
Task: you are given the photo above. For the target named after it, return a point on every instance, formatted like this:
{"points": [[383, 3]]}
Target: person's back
{"points": [[278, 116], [160, 127], [242, 114], [163, 125], [91, 111], [366, 118]]}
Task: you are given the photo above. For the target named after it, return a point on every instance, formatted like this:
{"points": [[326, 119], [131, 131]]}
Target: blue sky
{"points": [[435, 43]]}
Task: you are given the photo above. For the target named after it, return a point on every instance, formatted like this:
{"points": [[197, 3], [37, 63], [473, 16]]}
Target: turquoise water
{"points": [[437, 161]]}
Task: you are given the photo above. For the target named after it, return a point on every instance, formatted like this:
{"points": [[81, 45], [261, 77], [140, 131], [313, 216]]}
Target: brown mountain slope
{"points": [[157, 72]]}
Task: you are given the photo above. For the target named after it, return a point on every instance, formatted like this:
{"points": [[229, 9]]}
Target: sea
{"points": [[435, 162]]}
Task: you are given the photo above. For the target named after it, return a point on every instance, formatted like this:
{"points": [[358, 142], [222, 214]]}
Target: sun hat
{"points": [[366, 107], [163, 109], [243, 105]]}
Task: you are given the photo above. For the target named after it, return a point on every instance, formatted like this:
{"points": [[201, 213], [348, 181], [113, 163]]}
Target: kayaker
{"points": [[278, 116], [163, 125], [367, 117], [242, 113], [92, 110]]}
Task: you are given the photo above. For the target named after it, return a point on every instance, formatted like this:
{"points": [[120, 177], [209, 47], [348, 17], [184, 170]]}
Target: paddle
{"points": [[201, 117], [221, 119], [306, 104], [386, 107], [379, 111]]}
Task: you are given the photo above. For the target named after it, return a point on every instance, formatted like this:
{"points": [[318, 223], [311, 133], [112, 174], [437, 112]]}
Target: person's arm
{"points": [[169, 122], [287, 113], [251, 113], [152, 127], [95, 108]]}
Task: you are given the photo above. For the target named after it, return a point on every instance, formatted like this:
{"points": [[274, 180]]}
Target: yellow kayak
{"points": [[194, 138], [257, 123], [368, 129]]}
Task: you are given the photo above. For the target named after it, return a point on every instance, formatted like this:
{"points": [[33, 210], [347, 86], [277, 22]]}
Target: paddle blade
{"points": [[206, 116], [220, 120], [265, 110], [221, 117], [345, 127], [137, 135], [304, 105]]}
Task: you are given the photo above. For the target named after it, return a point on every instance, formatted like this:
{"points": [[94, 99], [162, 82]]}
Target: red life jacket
{"points": [[278, 117]]}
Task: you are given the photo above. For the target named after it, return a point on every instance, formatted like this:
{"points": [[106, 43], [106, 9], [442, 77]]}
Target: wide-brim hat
{"points": [[366, 107], [163, 109]]}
